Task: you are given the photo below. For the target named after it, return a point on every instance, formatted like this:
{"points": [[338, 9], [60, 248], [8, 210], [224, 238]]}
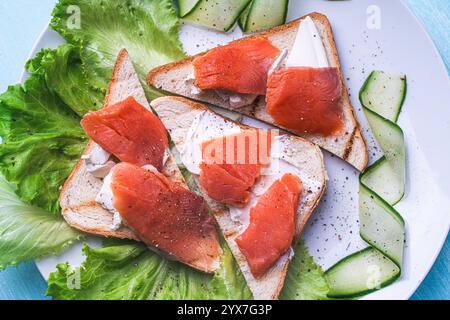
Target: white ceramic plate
{"points": [[399, 45]]}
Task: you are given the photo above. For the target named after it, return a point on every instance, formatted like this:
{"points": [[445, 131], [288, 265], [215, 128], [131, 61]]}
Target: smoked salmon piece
{"points": [[166, 216], [232, 164], [130, 132], [226, 188], [272, 225], [239, 67], [306, 100]]}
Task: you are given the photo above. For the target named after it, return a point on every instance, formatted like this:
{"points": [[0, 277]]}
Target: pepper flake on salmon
{"points": [[306, 100], [130, 132], [272, 225], [239, 67], [232, 164], [166, 216]]}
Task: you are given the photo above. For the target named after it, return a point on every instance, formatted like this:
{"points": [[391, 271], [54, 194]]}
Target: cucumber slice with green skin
{"points": [[264, 14], [361, 273], [381, 186], [217, 14], [391, 139], [382, 179], [243, 18], [186, 6], [384, 94], [381, 225]]}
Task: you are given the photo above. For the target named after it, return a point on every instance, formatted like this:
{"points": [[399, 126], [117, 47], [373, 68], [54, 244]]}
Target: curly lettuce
{"points": [[305, 279], [62, 69], [42, 141], [124, 270], [148, 29], [148, 276]]}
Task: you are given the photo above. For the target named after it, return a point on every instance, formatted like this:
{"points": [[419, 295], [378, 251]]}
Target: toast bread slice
{"points": [[178, 114], [348, 145], [78, 194]]}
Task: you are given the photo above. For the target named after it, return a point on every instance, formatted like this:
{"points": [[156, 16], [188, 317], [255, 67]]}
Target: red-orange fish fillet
{"points": [[306, 100], [272, 225], [130, 132], [166, 216], [239, 67], [229, 179]]}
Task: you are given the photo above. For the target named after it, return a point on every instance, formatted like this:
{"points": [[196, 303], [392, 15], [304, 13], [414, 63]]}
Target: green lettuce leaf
{"points": [[124, 270], [63, 73], [42, 140], [148, 29], [39, 121], [228, 282], [305, 279], [29, 232]]}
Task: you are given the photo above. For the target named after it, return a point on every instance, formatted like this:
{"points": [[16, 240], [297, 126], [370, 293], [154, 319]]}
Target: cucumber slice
{"points": [[361, 273], [186, 6], [381, 225], [382, 179], [381, 186], [264, 14], [217, 14], [384, 94], [391, 139], [243, 18]]}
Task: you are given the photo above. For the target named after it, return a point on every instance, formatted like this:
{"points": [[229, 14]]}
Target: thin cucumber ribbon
{"points": [[382, 185]]}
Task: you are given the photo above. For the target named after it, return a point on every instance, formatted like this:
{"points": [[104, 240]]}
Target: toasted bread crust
{"points": [[354, 150], [73, 213], [350, 148], [121, 57]]}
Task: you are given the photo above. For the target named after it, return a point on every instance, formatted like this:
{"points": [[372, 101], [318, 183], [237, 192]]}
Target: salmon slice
{"points": [[306, 100], [166, 216], [223, 187], [232, 164], [239, 67], [130, 132], [272, 225]]}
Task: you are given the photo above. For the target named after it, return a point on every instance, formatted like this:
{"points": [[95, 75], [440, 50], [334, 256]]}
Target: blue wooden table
{"points": [[21, 21]]}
